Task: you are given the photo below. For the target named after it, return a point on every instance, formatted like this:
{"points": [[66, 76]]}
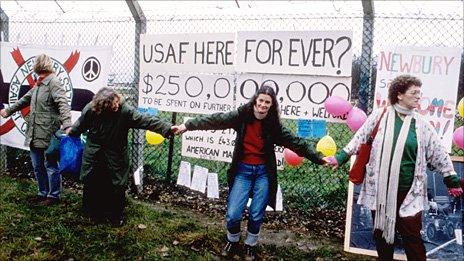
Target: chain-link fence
{"points": [[303, 187]]}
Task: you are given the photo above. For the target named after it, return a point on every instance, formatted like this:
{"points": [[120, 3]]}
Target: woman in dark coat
{"points": [[105, 162], [253, 169]]}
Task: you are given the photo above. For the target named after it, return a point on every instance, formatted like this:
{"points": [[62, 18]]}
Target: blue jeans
{"points": [[249, 178], [46, 173]]}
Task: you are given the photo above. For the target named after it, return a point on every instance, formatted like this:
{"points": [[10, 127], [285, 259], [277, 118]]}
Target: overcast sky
{"points": [[449, 33], [93, 9]]}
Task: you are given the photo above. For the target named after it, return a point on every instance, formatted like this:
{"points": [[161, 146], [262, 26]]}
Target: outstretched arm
{"points": [[215, 121], [23, 102], [361, 136], [138, 120], [300, 146], [437, 156]]}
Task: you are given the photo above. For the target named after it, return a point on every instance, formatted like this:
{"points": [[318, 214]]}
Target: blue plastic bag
{"points": [[71, 149], [52, 153]]}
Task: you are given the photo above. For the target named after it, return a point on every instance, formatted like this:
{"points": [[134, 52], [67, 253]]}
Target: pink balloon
{"points": [[458, 137], [355, 119], [337, 106], [292, 158]]}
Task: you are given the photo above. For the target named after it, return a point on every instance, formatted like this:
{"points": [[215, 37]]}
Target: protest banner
{"points": [[437, 68], [192, 53], [83, 70], [295, 52], [190, 93], [298, 96], [187, 72]]}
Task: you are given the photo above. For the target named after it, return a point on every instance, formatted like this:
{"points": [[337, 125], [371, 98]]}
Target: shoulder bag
{"points": [[358, 170]]}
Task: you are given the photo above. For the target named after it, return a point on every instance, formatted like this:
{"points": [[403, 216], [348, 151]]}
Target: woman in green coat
{"points": [[105, 162], [253, 169], [49, 112]]}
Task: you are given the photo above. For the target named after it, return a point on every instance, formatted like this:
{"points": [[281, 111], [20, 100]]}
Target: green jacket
{"points": [[49, 109], [273, 134], [106, 145]]}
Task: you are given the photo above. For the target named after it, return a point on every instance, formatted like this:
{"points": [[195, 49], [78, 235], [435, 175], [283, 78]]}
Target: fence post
{"points": [[365, 92], [137, 137], [171, 150], [4, 33]]}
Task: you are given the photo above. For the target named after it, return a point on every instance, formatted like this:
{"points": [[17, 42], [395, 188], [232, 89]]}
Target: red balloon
{"points": [[292, 158]]}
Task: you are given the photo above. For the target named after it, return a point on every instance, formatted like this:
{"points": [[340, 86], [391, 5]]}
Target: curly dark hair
{"points": [[401, 85], [103, 99]]}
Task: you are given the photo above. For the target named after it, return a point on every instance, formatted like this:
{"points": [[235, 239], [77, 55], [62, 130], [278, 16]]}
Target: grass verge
{"points": [[60, 232]]}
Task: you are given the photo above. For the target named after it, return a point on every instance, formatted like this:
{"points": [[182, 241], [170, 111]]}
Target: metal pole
{"points": [[138, 142], [4, 26], [365, 93], [4, 35], [171, 150]]}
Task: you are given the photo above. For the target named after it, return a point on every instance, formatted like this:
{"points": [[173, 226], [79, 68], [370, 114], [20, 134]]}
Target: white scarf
{"points": [[385, 215], [402, 110]]}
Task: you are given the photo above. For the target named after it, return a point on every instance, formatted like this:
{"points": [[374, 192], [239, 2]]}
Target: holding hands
{"points": [[331, 161], [178, 129]]}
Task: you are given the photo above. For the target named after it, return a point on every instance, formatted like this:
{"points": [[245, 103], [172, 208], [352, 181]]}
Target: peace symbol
{"points": [[91, 69]]}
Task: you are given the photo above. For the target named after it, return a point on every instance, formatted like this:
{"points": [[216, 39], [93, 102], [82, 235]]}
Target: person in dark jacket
{"points": [[253, 169], [49, 111], [105, 162]]}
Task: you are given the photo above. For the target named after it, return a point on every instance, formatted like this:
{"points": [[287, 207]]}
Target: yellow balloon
{"points": [[327, 146], [461, 107], [153, 138]]}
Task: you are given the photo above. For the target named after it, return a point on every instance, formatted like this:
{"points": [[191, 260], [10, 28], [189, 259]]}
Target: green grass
{"points": [[60, 232]]}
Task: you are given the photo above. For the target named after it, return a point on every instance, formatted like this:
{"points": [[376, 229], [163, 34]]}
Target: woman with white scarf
{"points": [[395, 187]]}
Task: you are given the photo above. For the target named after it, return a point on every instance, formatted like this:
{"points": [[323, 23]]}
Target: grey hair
{"points": [[43, 64]]}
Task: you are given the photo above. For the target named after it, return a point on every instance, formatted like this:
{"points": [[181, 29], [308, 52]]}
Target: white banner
{"points": [[191, 93], [83, 70], [215, 145], [195, 73], [299, 97], [213, 52], [295, 52], [438, 69]]}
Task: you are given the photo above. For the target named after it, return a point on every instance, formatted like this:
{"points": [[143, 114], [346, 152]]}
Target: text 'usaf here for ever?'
{"points": [[206, 73]]}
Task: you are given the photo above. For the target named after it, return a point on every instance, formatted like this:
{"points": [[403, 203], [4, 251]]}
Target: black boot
{"points": [[250, 253], [117, 221], [230, 249]]}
